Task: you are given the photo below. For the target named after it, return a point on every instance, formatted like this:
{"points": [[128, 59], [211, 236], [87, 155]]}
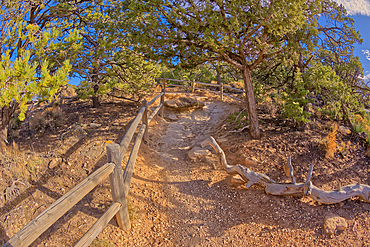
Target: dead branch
{"points": [[293, 188], [236, 131], [288, 169]]}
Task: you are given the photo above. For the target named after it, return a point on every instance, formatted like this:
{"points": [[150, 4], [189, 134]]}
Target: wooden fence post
{"points": [[164, 84], [192, 86], [161, 111], [145, 121], [117, 185], [222, 91]]}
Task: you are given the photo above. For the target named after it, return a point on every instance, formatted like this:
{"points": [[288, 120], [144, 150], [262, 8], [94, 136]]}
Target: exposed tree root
{"points": [[293, 188]]}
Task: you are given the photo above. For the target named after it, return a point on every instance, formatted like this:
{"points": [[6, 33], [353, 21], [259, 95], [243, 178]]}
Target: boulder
{"points": [[184, 103]]}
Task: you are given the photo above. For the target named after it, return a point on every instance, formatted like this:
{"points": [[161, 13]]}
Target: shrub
{"points": [[361, 125], [293, 104]]}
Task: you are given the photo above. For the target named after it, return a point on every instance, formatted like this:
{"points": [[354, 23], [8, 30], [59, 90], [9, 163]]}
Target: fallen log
{"points": [[293, 188]]}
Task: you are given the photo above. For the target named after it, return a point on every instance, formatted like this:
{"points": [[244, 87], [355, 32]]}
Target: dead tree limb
{"points": [[293, 188], [288, 169]]}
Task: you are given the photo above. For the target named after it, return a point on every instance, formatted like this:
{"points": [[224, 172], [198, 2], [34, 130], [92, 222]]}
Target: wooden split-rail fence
{"points": [[119, 180], [192, 85]]}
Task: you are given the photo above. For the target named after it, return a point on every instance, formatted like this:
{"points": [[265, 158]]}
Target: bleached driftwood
{"points": [[293, 188], [288, 169]]}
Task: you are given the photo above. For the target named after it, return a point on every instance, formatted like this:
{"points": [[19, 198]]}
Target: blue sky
{"points": [[359, 10]]}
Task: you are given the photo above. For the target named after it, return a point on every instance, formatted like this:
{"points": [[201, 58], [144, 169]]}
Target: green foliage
{"points": [[25, 73], [202, 73], [358, 127], [273, 39], [319, 84], [104, 60], [135, 77], [326, 84], [208, 31], [294, 102]]}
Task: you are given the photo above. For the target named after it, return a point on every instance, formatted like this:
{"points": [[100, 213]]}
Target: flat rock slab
{"points": [[184, 103], [333, 222], [172, 117], [198, 153]]}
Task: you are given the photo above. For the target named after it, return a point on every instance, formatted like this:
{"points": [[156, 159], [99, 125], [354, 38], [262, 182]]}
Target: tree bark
{"points": [[95, 99], [218, 71], [5, 116], [251, 104], [4, 132]]}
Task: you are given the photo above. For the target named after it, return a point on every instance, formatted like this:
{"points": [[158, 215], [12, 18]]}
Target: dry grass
{"points": [[102, 243], [17, 169], [13, 161]]}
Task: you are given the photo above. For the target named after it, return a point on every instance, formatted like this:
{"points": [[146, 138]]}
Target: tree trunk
{"points": [[95, 99], [251, 104], [96, 103], [218, 74], [5, 116]]}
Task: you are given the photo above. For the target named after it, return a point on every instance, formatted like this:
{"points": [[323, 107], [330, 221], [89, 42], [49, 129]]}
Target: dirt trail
{"points": [[197, 204]]}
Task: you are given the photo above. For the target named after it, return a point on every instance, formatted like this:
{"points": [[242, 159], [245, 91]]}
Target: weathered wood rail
{"points": [[192, 87], [119, 183]]}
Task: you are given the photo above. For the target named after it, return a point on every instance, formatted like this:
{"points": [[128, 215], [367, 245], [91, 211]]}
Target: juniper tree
{"points": [[27, 29], [243, 33], [328, 71], [104, 62]]}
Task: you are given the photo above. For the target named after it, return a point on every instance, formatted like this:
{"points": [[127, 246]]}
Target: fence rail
{"points": [[194, 83], [42, 222], [119, 181]]}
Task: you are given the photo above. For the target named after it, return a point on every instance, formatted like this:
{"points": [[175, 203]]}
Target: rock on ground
{"points": [[172, 117], [333, 222], [198, 153], [183, 103]]}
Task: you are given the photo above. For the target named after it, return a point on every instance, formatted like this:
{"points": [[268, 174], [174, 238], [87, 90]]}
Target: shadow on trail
{"points": [[42, 180], [221, 208]]}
